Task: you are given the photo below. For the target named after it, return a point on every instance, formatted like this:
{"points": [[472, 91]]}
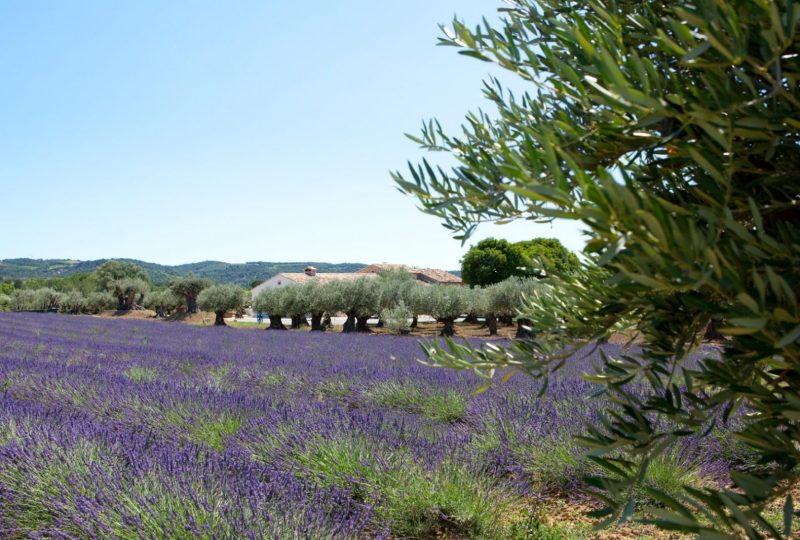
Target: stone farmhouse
{"points": [[287, 279]]}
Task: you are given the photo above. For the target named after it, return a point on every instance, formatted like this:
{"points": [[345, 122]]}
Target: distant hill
{"points": [[220, 272]]}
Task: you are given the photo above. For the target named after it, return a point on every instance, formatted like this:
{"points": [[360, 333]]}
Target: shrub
{"points": [[397, 318]]}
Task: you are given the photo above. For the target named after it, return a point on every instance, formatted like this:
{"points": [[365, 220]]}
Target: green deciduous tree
{"points": [[671, 131], [545, 256], [188, 288], [491, 261], [222, 298]]}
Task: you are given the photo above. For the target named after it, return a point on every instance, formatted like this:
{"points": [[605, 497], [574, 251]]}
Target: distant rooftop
{"points": [[427, 275]]}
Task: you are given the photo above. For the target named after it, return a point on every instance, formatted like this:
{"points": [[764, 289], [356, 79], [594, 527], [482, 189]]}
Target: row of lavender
{"points": [[131, 429]]}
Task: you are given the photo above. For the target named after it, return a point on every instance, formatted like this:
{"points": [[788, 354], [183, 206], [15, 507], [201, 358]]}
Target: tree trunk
{"points": [[219, 319], [508, 320], [316, 322], [380, 323], [299, 321], [121, 302], [161, 313], [275, 323], [491, 322], [414, 321], [524, 331], [712, 334], [471, 318], [191, 304], [350, 323], [361, 323], [448, 328], [326, 321]]}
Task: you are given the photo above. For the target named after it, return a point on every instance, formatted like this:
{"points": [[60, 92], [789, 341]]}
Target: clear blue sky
{"points": [[183, 131]]}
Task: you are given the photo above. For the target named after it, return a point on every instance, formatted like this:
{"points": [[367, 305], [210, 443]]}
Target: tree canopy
{"points": [[188, 288], [492, 261], [221, 298], [671, 132], [544, 256]]}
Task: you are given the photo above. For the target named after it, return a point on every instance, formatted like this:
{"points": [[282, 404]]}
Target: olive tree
{"points": [[130, 292], [321, 299], [188, 288], [273, 303], [358, 299], [296, 305], [446, 304], [163, 302], [100, 301], [506, 299], [418, 301], [670, 131], [125, 280], [393, 289], [73, 302], [221, 298], [22, 300]]}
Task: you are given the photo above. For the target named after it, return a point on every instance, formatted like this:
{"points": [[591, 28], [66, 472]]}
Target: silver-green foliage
{"points": [[73, 302], [396, 318], [163, 302], [100, 301], [358, 297], [222, 298], [671, 132], [273, 301], [44, 299]]}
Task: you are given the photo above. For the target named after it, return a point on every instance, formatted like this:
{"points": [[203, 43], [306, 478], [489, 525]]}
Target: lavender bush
{"points": [[139, 429]]}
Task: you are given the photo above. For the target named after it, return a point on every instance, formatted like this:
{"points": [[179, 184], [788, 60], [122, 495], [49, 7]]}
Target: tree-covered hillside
{"points": [[220, 272]]}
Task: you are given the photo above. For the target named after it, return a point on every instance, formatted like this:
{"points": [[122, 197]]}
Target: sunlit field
{"points": [[131, 429]]}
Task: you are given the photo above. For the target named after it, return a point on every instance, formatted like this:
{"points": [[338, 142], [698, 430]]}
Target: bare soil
{"points": [[132, 314]]}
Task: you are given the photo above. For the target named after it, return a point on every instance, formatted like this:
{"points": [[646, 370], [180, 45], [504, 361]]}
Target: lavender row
{"points": [[141, 429]]}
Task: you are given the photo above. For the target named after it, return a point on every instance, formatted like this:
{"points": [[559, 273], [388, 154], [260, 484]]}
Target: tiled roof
{"points": [[301, 277], [428, 275]]}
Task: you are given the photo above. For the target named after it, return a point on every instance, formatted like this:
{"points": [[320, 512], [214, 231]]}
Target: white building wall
{"points": [[278, 280]]}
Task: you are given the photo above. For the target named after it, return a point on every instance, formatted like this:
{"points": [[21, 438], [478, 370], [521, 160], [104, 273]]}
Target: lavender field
{"points": [[138, 429]]}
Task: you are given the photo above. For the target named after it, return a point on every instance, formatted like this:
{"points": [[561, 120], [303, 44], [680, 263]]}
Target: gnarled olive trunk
{"points": [[275, 323], [414, 321], [191, 304], [299, 321], [448, 329], [219, 318], [361, 323], [326, 321], [121, 303], [316, 322], [380, 323], [161, 312], [491, 323], [471, 318], [350, 323], [524, 330]]}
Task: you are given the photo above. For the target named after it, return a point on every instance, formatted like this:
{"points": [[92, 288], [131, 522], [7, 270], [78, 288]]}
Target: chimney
{"points": [[311, 271]]}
